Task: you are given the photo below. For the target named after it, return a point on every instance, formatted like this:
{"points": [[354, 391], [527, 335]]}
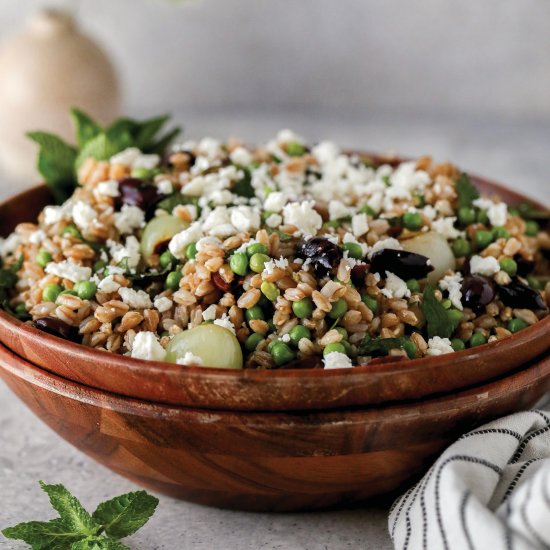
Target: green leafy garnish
{"points": [[377, 347], [58, 162], [529, 212], [176, 199], [438, 320], [466, 191], [76, 529], [244, 187]]}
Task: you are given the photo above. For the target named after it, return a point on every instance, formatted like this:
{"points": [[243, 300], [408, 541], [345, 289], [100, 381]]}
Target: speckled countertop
{"points": [[513, 152]]}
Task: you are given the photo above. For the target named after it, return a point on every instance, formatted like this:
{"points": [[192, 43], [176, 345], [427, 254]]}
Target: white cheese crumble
{"points": [[359, 224], [326, 152], [108, 285], [36, 237], [69, 270], [136, 299], [209, 314], [107, 188], [241, 156], [165, 187], [83, 215], [190, 360], [275, 202], [163, 303], [390, 243], [337, 210], [439, 346], [275, 220], [497, 212], [445, 227], [129, 218], [134, 158], [146, 346], [225, 322], [285, 338], [395, 287], [303, 216], [337, 360], [180, 240], [484, 266], [130, 251], [453, 284], [245, 218]]}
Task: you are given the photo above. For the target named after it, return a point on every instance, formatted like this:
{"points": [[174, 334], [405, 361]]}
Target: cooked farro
{"points": [[292, 251]]}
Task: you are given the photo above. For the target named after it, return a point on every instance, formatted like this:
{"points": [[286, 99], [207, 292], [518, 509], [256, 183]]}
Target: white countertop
{"points": [[514, 153]]}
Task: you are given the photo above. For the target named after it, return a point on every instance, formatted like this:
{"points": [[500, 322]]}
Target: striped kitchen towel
{"points": [[488, 491]]}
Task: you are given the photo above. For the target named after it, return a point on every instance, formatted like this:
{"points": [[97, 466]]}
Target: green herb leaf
{"points": [[56, 160], [98, 543], [244, 187], [529, 212], [162, 144], [85, 127], [377, 347], [124, 515], [72, 513], [104, 146], [282, 236], [437, 318], [466, 191], [44, 535], [171, 201]]}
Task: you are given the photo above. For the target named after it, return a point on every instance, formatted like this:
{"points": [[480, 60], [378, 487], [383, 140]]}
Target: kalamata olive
{"points": [[406, 265], [57, 327], [324, 254], [477, 292], [516, 294], [135, 192], [358, 273], [525, 267]]}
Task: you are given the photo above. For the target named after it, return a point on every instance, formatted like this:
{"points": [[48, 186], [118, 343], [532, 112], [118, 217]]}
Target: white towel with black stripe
{"points": [[488, 491]]}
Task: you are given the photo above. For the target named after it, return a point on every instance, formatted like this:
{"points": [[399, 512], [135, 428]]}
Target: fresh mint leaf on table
{"points": [[466, 191], [58, 161], [438, 320], [76, 529]]}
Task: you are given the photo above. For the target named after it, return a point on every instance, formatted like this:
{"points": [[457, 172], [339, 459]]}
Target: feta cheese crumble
{"points": [[337, 360], [453, 284], [395, 287], [304, 216], [439, 346], [190, 360], [69, 270], [484, 266], [136, 299], [497, 212], [129, 219], [147, 346]]}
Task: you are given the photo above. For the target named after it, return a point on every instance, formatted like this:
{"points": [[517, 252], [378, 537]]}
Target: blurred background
{"points": [[466, 81]]}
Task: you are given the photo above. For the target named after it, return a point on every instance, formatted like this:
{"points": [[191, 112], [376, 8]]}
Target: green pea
{"points": [[20, 309], [303, 308], [143, 173], [334, 347], [191, 251], [347, 347], [534, 282], [370, 302], [482, 217], [412, 221], [455, 316], [354, 250], [269, 290], [413, 285], [298, 332], [166, 259], [343, 332], [515, 325], [410, 348], [281, 353], [501, 233], [71, 291], [251, 343], [295, 149], [100, 265], [51, 292], [466, 215], [254, 313], [531, 228], [477, 339], [85, 290], [72, 230], [43, 258], [173, 280], [256, 248], [461, 247], [239, 263], [257, 262], [338, 309], [446, 303], [271, 344], [509, 266], [457, 344], [483, 238]]}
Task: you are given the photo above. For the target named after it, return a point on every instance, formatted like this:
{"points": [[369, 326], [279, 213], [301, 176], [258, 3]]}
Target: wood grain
{"points": [[265, 461]]}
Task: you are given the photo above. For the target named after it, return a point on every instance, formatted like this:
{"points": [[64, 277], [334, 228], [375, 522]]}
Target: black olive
{"points": [[477, 292], [324, 254], [57, 327], [136, 192], [525, 267], [516, 294], [358, 273], [406, 265]]}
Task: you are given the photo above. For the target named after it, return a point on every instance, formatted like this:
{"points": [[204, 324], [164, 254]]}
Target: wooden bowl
{"points": [[265, 461], [280, 390]]}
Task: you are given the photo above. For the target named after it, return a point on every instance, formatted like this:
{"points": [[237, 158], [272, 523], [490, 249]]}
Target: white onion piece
{"points": [[434, 246]]}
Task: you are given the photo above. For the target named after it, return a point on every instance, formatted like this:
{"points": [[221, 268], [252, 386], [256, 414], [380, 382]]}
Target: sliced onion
{"points": [[159, 231]]}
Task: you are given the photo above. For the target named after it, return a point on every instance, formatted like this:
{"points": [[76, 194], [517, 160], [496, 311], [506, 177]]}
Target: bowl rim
{"points": [[116, 360]]}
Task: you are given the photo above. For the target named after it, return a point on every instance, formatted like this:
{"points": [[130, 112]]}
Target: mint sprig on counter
{"points": [[76, 529], [58, 161]]}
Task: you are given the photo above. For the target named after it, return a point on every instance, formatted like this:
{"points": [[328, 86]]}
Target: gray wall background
{"points": [[344, 58]]}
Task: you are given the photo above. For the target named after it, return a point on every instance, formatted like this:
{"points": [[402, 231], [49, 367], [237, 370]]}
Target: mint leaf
{"points": [[437, 318], [44, 535], [171, 201], [55, 163], [71, 511], [104, 146], [466, 191], [85, 127], [244, 187], [377, 347], [148, 129], [124, 515], [162, 144], [98, 543]]}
